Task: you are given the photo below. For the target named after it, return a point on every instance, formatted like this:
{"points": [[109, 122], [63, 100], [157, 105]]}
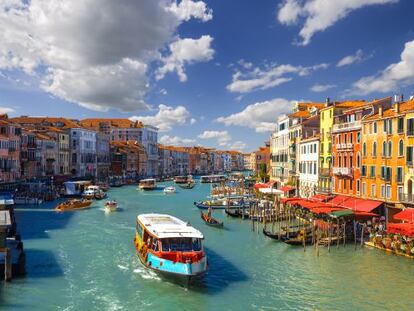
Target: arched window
{"points": [[401, 148], [358, 160], [364, 149], [374, 149], [389, 149], [384, 149]]}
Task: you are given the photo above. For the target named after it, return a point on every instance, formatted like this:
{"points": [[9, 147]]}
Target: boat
{"points": [[188, 185], [100, 195], [237, 213], [212, 178], [298, 240], [170, 246], [111, 206], [169, 190], [75, 188], [73, 205], [211, 221], [182, 179], [90, 192], [271, 235], [147, 184], [221, 204]]}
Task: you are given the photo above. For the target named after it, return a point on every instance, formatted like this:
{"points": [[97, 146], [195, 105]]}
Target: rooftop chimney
{"points": [[328, 100], [380, 111]]}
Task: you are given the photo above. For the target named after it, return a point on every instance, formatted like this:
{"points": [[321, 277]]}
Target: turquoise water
{"points": [[86, 260]]}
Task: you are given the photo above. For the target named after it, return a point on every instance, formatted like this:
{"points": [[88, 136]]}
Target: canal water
{"points": [[86, 260]]}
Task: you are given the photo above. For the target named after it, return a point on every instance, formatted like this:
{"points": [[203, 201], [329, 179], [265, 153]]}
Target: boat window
{"points": [[181, 244], [139, 229], [154, 245]]}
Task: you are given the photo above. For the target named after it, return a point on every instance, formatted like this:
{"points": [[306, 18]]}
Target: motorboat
{"points": [[170, 246], [169, 190], [111, 206], [73, 205]]}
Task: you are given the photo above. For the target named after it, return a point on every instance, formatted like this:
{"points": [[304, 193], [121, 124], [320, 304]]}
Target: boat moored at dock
{"points": [[212, 178], [170, 246]]}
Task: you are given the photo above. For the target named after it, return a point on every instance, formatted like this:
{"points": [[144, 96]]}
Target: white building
{"points": [[150, 143], [308, 166], [279, 149], [83, 152]]}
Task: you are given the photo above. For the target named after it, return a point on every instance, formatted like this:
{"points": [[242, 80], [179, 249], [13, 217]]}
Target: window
{"points": [[364, 150], [363, 170], [374, 149], [410, 127], [409, 156], [382, 191], [388, 191], [372, 171], [358, 185], [401, 125], [399, 176], [358, 160], [345, 182], [389, 149], [345, 138], [358, 137], [400, 193], [364, 188], [384, 149], [375, 127], [373, 190], [351, 138], [389, 126], [401, 148], [384, 128]]}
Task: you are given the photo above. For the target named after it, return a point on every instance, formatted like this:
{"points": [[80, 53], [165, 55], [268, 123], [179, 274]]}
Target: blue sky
{"points": [[222, 71]]}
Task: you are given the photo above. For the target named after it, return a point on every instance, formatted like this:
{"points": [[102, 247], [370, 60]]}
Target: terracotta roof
{"points": [[310, 104], [300, 114], [391, 113], [350, 104], [119, 123], [48, 120]]}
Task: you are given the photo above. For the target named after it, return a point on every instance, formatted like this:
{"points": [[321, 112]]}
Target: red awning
{"points": [[260, 185], [325, 210], [407, 215], [319, 197], [287, 188], [357, 205], [401, 228]]}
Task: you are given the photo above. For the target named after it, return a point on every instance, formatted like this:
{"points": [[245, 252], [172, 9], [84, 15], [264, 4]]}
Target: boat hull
{"points": [[201, 205]]}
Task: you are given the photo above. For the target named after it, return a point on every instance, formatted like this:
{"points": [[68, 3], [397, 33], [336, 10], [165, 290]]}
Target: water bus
{"points": [[223, 203], [170, 246], [183, 179], [147, 184], [212, 179]]}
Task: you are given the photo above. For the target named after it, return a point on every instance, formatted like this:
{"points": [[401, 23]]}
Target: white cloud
{"points": [[391, 78], [238, 145], [244, 81], [322, 87], [98, 57], [319, 15], [166, 118], [187, 9], [163, 92], [193, 121], [185, 51], [260, 116], [4, 110], [176, 141], [223, 137], [351, 59]]}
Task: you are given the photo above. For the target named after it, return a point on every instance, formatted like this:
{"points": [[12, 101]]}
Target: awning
{"points": [[264, 185], [270, 191], [358, 205], [287, 188], [338, 200], [325, 210], [341, 213], [406, 215], [319, 198], [401, 228]]}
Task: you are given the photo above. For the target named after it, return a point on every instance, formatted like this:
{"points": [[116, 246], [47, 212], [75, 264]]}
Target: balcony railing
{"points": [[325, 172], [342, 171], [324, 190], [348, 126], [344, 146], [406, 197]]}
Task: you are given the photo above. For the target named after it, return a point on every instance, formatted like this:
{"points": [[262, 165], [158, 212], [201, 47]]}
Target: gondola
{"points": [[187, 185], [274, 236], [234, 213], [210, 221], [298, 241]]}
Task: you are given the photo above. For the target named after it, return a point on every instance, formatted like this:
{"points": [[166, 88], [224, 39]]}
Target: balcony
{"points": [[325, 172], [324, 190], [344, 146], [406, 198], [342, 171], [348, 126]]}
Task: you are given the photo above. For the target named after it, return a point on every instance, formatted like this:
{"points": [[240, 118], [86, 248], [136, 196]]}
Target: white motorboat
{"points": [[169, 190]]}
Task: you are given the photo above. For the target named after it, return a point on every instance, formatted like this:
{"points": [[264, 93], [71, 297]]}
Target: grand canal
{"points": [[86, 261]]}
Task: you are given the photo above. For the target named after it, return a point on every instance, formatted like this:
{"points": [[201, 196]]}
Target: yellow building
{"points": [[407, 197], [327, 115], [384, 147]]}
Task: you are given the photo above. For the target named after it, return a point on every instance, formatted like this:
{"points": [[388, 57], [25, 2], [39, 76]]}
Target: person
{"points": [[209, 212]]}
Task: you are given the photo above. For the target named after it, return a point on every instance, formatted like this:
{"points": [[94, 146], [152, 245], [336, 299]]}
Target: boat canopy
{"points": [[148, 180], [166, 226]]}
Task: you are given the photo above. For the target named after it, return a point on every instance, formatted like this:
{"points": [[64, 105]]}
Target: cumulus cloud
{"points": [[250, 79], [176, 141], [318, 15], [4, 110], [260, 116], [187, 9], [351, 59], [166, 118], [185, 51], [396, 75], [322, 87], [193, 121], [238, 145], [98, 57], [223, 137]]}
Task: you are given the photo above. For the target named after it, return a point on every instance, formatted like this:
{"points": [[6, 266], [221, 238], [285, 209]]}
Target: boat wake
{"points": [[147, 274]]}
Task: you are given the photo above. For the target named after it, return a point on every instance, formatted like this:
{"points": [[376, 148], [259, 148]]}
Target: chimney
{"points": [[327, 101], [380, 111], [396, 107]]}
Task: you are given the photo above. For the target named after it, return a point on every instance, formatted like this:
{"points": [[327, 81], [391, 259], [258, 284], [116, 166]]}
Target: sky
{"points": [[215, 73]]}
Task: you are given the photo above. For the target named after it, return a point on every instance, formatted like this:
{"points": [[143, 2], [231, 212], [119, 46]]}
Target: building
{"points": [[28, 148], [10, 133], [173, 161], [246, 162], [103, 159], [262, 158], [279, 161], [47, 155], [308, 166], [128, 160], [346, 150]]}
